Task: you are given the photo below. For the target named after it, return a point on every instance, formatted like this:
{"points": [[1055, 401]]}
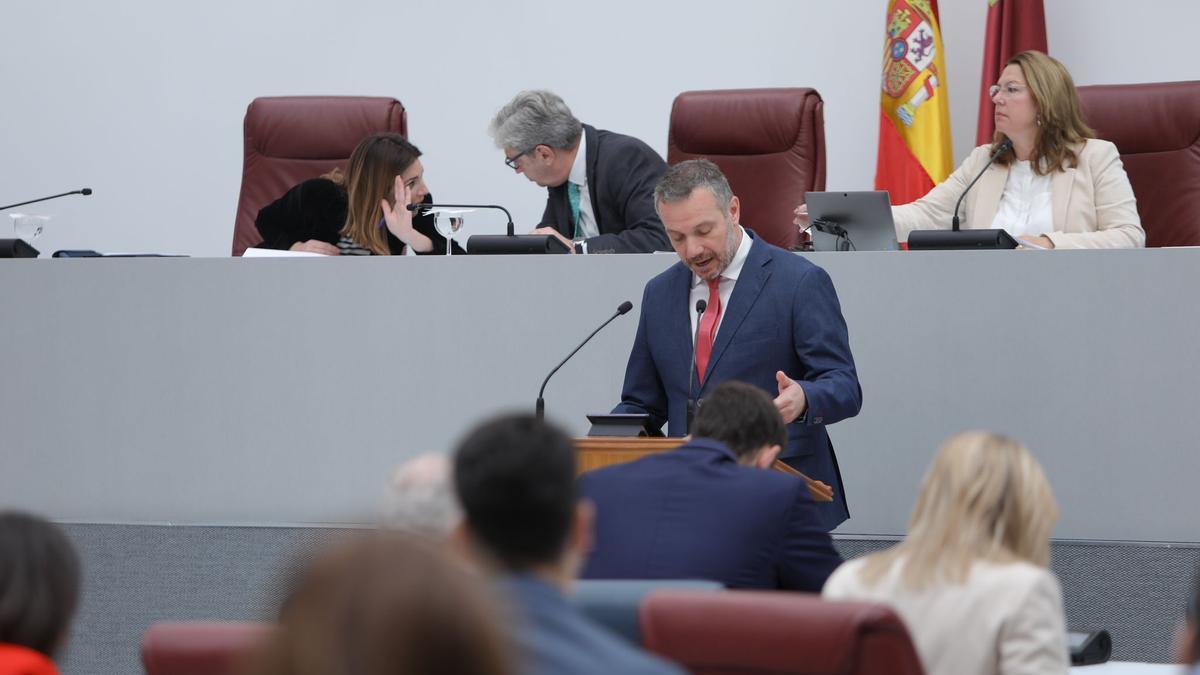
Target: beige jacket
{"points": [[1005, 620], [1093, 203]]}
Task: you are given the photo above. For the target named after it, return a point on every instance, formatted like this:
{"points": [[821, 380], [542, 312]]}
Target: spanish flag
{"points": [[914, 122]]}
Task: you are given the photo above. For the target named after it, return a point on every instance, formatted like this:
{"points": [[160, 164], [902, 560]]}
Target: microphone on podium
{"points": [[701, 305], [541, 403]]}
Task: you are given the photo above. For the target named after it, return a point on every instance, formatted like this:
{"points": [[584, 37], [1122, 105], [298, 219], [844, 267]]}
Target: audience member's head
{"points": [[421, 497], [984, 498], [370, 178], [745, 419], [515, 477], [539, 136], [382, 603], [39, 582]]}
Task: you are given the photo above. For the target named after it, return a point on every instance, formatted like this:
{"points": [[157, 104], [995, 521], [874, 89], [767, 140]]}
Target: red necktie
{"points": [[708, 328]]}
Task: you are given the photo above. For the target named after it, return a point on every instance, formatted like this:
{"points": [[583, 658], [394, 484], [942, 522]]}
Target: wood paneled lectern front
{"points": [[595, 452]]}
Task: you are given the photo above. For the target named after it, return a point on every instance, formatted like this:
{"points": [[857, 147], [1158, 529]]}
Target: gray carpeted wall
{"points": [[136, 575]]}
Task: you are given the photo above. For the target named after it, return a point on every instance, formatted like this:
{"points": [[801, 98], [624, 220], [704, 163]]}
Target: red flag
{"points": [[1013, 26]]}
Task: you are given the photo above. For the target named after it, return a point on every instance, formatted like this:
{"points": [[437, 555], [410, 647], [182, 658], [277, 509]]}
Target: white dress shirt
{"points": [[578, 176], [1025, 206], [728, 278]]}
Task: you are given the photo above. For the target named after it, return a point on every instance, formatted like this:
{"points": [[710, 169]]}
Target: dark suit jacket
{"points": [[316, 209], [695, 513], [783, 315], [553, 637], [621, 174]]}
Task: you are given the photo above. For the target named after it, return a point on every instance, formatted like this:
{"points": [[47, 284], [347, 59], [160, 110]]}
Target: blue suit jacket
{"points": [[695, 513], [552, 637], [783, 315]]}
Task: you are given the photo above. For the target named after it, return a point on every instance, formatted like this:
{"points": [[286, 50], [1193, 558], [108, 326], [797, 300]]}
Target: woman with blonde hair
{"points": [[970, 580], [362, 210], [1053, 184]]}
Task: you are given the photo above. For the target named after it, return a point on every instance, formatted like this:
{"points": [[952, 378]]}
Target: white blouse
{"points": [[1025, 207]]}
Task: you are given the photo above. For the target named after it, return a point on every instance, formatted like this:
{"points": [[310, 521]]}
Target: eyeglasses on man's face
{"points": [[512, 161]]}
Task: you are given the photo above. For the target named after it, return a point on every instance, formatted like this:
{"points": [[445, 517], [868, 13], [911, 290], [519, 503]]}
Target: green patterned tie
{"points": [[573, 198]]}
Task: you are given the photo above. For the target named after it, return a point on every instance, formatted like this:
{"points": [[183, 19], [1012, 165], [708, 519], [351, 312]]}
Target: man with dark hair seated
{"points": [[709, 509], [515, 477]]}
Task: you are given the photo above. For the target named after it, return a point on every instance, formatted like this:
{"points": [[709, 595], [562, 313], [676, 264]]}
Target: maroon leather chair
{"points": [[1156, 128], [763, 632], [290, 139], [199, 648], [770, 144]]}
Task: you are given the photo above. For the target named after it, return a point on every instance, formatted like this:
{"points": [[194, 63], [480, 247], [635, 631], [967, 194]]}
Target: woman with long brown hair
{"points": [[970, 580], [361, 210]]}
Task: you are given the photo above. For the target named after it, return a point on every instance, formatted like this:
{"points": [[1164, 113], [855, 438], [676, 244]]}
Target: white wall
{"points": [[143, 100]]}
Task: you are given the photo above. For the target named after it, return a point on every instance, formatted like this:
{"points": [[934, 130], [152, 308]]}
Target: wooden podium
{"points": [[595, 452]]}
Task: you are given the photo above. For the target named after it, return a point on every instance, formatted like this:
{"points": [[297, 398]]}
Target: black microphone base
{"points": [[16, 248], [961, 240], [518, 244]]}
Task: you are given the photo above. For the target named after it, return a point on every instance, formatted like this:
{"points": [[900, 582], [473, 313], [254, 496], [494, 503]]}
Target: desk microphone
{"points": [[541, 403], [85, 192], [1006, 145], [701, 305], [430, 207]]}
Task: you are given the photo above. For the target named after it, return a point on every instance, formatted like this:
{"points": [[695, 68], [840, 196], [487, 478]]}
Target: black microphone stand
{"points": [[540, 407], [85, 192], [701, 306]]}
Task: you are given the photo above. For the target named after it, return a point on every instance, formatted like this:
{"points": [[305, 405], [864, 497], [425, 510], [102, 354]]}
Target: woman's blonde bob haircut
{"points": [[370, 178], [984, 498], [1061, 126]]}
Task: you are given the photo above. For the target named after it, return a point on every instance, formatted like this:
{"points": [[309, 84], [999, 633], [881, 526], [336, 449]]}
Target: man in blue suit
{"points": [[771, 319], [711, 509]]}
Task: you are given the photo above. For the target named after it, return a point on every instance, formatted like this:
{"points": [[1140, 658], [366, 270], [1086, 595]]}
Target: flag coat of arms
{"points": [[914, 125]]}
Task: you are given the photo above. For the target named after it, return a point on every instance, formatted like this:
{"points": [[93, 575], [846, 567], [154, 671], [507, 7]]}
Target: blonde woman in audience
{"points": [[386, 603], [971, 580]]}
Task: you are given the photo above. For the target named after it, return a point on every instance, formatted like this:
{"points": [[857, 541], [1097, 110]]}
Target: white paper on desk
{"points": [[449, 212], [1025, 244], [274, 253]]}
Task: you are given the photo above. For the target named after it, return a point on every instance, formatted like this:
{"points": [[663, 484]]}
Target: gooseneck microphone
{"points": [[85, 192], [429, 207], [541, 403], [701, 305], [1006, 145]]}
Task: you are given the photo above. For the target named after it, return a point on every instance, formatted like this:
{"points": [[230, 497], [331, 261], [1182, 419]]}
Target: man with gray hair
{"points": [[600, 184], [770, 318], [421, 499]]}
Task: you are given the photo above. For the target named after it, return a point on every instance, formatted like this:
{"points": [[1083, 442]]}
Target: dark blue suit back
{"points": [[695, 513]]}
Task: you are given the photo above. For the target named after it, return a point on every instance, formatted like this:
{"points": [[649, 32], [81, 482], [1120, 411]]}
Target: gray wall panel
{"points": [[282, 391]]}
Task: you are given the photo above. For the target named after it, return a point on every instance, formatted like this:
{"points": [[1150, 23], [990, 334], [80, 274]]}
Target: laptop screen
{"points": [[851, 221]]}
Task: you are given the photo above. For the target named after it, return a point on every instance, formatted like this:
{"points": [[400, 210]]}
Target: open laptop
{"points": [[851, 221]]}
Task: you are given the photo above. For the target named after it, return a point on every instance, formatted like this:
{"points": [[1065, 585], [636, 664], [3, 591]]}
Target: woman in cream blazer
{"points": [[1092, 203], [1089, 204], [1052, 183], [970, 581]]}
